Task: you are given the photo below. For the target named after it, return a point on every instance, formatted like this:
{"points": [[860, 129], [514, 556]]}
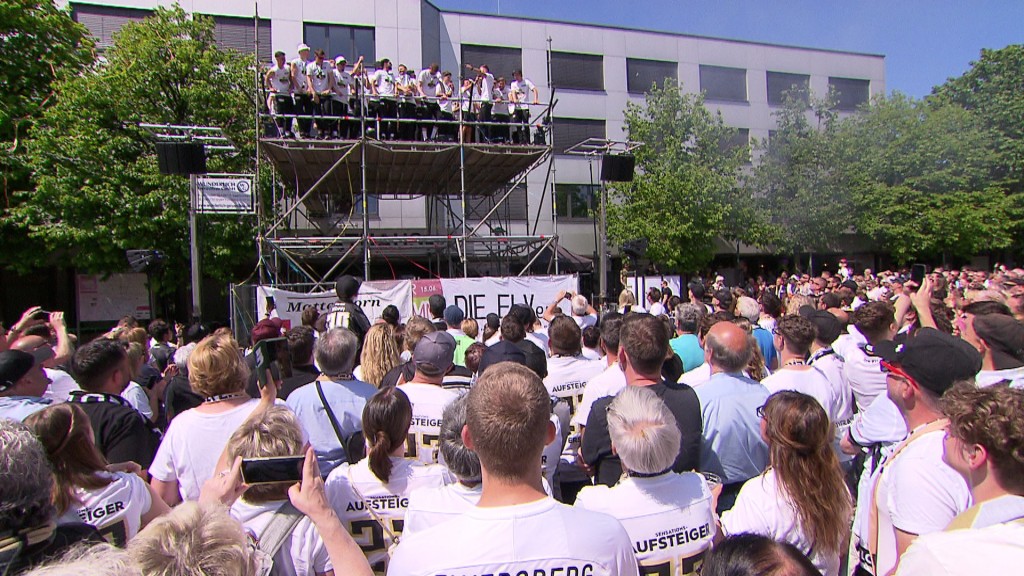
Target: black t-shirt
{"points": [[536, 359], [178, 396], [301, 375], [681, 400], [64, 537], [122, 434]]}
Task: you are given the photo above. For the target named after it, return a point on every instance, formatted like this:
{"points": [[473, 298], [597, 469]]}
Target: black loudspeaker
{"points": [[181, 158], [617, 167]]}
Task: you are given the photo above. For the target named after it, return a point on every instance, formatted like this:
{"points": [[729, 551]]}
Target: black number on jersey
{"points": [[370, 536], [676, 566], [116, 534], [419, 442]]}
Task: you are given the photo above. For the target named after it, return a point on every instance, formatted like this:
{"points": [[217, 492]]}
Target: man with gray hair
{"points": [[28, 534], [747, 307], [431, 506], [330, 408], [686, 344], [579, 309], [652, 501]]}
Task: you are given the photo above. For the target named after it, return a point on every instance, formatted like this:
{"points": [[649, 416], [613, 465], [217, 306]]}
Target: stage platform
{"points": [[399, 168]]}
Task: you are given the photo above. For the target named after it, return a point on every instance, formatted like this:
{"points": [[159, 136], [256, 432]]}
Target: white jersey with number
{"points": [[389, 501], [384, 82], [115, 510], [320, 75], [428, 403], [439, 504], [670, 518], [567, 378], [281, 78], [537, 538], [300, 73], [302, 553]]}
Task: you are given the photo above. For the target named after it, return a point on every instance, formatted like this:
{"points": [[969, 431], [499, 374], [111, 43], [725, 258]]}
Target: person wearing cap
{"points": [[824, 358], [265, 330], [382, 86], [1000, 340], [23, 383], [433, 357], [453, 317], [346, 313], [428, 83], [912, 491], [281, 85], [61, 383], [982, 444], [343, 91], [303, 97]]}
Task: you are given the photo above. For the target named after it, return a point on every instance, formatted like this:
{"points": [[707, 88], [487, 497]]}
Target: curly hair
{"points": [[380, 353], [994, 418], [800, 450]]}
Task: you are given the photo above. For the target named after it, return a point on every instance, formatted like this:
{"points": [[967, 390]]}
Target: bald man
{"points": [[731, 446]]}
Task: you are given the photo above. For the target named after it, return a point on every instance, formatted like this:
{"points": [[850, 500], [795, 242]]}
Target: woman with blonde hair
{"points": [[195, 439], [627, 302], [379, 356], [801, 497], [117, 503]]}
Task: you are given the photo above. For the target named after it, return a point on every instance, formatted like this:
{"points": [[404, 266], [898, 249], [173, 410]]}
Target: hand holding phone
{"points": [[266, 359], [272, 470]]}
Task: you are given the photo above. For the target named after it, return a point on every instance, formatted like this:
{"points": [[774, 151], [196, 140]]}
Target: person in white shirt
{"points": [[801, 498], [276, 433], [872, 323], [611, 380], [824, 358], [118, 503], [429, 84], [344, 92], [502, 112], [320, 82], [654, 305], [407, 92], [515, 527], [580, 309], [519, 93], [670, 518], [303, 97], [446, 98], [983, 445], [1000, 340], [438, 504], [280, 84], [382, 86], [913, 491], [793, 338], [371, 496], [433, 357], [484, 94]]}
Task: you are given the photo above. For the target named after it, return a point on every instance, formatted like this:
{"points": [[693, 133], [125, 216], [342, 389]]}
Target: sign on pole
{"points": [[225, 194]]}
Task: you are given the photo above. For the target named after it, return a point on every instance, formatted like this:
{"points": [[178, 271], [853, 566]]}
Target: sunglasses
{"points": [[888, 368], [760, 411]]}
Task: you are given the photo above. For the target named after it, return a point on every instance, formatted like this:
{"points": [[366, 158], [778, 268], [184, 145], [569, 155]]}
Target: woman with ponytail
{"points": [[372, 495], [801, 497]]}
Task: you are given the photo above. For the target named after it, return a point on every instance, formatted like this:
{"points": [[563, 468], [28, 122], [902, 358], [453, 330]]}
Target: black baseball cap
{"points": [[502, 351], [829, 327], [14, 365], [934, 360]]}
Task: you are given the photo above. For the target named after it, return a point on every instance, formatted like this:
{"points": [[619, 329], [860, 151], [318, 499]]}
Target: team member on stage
{"points": [[519, 91], [502, 110], [344, 90], [281, 86], [382, 86], [446, 106], [407, 90], [429, 84], [320, 78], [303, 98], [484, 94]]}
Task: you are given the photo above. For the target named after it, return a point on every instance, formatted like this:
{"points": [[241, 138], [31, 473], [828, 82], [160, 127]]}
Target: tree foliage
{"points": [[684, 194], [97, 188]]}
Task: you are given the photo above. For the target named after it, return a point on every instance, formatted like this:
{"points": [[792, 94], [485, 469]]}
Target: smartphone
{"points": [[41, 315], [266, 357], [271, 470], [918, 272]]}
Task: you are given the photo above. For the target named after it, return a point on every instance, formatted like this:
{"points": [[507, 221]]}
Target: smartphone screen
{"points": [[266, 357], [269, 470], [918, 272]]}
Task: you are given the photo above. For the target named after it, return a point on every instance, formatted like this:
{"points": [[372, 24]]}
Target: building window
{"points": [[849, 92], [338, 40], [642, 74], [571, 131], [739, 139], [103, 21], [237, 34], [577, 71], [781, 82], [500, 61], [721, 83], [513, 208], [576, 201]]}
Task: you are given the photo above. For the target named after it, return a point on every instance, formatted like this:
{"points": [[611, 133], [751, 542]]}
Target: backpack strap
{"points": [[278, 530]]}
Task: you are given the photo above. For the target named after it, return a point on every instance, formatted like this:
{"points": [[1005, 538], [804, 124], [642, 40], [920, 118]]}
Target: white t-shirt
{"points": [[585, 320], [918, 494], [115, 510], [485, 88], [428, 404], [670, 518], [831, 365], [763, 508], [320, 75], [997, 549], [300, 73], [301, 554], [523, 89], [346, 85], [567, 378], [541, 537], [384, 82], [699, 375], [61, 385], [281, 78], [811, 382], [445, 94], [609, 382], [540, 338], [429, 82], [136, 395], [657, 309], [439, 504], [192, 445], [863, 372], [390, 501], [983, 379], [592, 353]]}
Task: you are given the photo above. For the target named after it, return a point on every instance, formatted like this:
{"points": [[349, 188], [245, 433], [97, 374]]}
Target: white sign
{"points": [[112, 298], [225, 194], [641, 284], [373, 297]]}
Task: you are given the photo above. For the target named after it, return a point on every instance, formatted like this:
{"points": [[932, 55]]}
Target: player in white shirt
{"points": [[446, 103], [801, 498], [670, 517], [320, 78], [429, 84], [281, 86], [502, 111], [303, 97], [568, 374], [519, 93], [371, 497], [344, 92], [407, 91], [433, 357], [118, 504], [382, 86], [793, 338], [515, 528], [484, 94]]}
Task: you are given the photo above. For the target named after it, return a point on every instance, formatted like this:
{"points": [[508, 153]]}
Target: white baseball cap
{"points": [[340, 59], [302, 47]]}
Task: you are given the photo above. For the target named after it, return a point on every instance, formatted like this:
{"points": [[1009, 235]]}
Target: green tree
{"points": [[685, 193], [97, 188], [921, 180], [798, 182], [39, 44]]}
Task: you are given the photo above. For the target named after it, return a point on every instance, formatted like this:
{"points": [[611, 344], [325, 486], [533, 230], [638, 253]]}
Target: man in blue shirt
{"points": [[23, 383], [748, 308], [330, 409], [686, 344], [732, 446]]}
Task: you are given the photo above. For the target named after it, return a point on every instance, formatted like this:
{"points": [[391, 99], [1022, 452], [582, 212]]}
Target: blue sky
{"points": [[924, 41]]}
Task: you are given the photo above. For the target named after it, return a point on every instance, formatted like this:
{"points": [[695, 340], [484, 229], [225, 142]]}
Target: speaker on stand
{"points": [[181, 158]]}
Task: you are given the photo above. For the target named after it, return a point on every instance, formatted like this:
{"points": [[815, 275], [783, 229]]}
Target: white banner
{"points": [[640, 285], [479, 297], [112, 298], [373, 297], [229, 194]]}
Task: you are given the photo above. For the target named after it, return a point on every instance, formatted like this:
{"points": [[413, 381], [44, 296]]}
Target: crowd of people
{"points": [[321, 98], [847, 423]]}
